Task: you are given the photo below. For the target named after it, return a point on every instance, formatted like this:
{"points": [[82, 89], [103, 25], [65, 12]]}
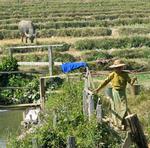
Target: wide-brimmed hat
{"points": [[117, 63]]}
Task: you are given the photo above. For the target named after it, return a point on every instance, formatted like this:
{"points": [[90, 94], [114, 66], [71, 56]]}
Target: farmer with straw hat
{"points": [[119, 80]]}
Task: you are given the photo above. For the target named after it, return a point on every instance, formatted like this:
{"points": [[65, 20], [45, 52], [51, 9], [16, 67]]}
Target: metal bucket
{"points": [[135, 89], [108, 92]]}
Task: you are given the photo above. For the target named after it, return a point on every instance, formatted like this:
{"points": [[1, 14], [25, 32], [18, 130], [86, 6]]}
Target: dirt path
{"points": [[69, 40]]}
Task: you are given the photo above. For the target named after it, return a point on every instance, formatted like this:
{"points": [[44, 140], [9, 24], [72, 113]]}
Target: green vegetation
{"points": [[112, 43], [28, 89], [70, 121]]}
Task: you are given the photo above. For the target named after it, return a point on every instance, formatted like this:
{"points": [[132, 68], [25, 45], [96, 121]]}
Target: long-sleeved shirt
{"points": [[118, 80]]}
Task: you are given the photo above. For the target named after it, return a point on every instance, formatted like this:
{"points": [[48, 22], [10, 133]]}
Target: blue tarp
{"points": [[70, 66]]}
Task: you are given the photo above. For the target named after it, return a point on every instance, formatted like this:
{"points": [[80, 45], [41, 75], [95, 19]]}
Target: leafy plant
{"points": [[8, 64], [18, 95], [70, 121]]}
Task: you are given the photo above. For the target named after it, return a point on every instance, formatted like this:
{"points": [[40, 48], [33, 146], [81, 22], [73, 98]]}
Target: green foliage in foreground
{"points": [[17, 95], [70, 121]]}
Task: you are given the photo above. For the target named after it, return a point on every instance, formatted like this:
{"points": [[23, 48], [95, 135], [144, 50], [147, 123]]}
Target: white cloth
{"points": [[32, 115]]}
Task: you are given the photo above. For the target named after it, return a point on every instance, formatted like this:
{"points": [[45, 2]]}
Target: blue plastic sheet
{"points": [[70, 66]]}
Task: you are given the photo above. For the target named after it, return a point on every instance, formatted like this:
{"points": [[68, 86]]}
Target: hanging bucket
{"points": [[135, 89], [108, 92]]}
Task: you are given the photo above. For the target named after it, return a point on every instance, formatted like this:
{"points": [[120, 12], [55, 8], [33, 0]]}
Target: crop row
{"points": [[133, 30], [76, 32], [81, 24], [87, 56], [79, 5], [91, 56], [14, 19], [79, 32], [106, 44], [71, 8], [93, 14]]}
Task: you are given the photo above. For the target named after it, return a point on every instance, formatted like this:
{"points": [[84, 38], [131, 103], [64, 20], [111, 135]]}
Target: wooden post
{"points": [[99, 113], [34, 143], [50, 60], [85, 96], [42, 93], [90, 106], [85, 105], [54, 119], [24, 115], [136, 131], [128, 141], [10, 53], [90, 80], [71, 142]]}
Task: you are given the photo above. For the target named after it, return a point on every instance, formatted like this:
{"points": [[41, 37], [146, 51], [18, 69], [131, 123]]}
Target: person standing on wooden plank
{"points": [[119, 79]]}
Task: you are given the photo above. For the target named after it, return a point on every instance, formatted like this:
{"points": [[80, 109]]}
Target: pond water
{"points": [[10, 121]]}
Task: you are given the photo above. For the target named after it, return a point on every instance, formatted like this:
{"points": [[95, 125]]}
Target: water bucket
{"points": [[135, 89], [108, 92]]}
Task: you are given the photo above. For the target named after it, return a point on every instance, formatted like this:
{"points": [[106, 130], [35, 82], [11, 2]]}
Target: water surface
{"points": [[10, 121]]}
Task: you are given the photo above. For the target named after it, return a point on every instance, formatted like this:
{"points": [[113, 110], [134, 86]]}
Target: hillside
{"points": [[83, 25]]}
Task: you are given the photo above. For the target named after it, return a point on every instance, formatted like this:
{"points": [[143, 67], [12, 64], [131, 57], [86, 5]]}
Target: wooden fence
{"points": [[10, 88], [49, 47], [88, 102]]}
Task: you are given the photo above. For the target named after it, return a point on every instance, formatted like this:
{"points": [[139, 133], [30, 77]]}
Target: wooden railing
{"points": [[49, 47]]}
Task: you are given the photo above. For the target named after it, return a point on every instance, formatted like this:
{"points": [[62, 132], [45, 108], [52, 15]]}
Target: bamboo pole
{"points": [[99, 113], [50, 60], [54, 118], [85, 105], [90, 106], [34, 143], [71, 142], [42, 93]]}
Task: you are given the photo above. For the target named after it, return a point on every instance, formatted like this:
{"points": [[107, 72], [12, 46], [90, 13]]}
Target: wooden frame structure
{"points": [[49, 47], [88, 102], [42, 85]]}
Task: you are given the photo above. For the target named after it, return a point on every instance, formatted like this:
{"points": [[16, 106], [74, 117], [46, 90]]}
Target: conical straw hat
{"points": [[117, 63]]}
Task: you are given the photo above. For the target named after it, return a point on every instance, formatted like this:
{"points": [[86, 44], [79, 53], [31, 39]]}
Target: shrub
{"points": [[70, 121], [10, 34], [133, 30], [54, 83], [58, 57], [133, 65], [8, 64], [28, 95], [95, 55], [88, 44], [97, 66], [131, 53], [63, 48]]}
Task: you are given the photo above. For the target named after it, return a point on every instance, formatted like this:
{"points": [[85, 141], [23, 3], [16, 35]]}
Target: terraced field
{"points": [[83, 25]]}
